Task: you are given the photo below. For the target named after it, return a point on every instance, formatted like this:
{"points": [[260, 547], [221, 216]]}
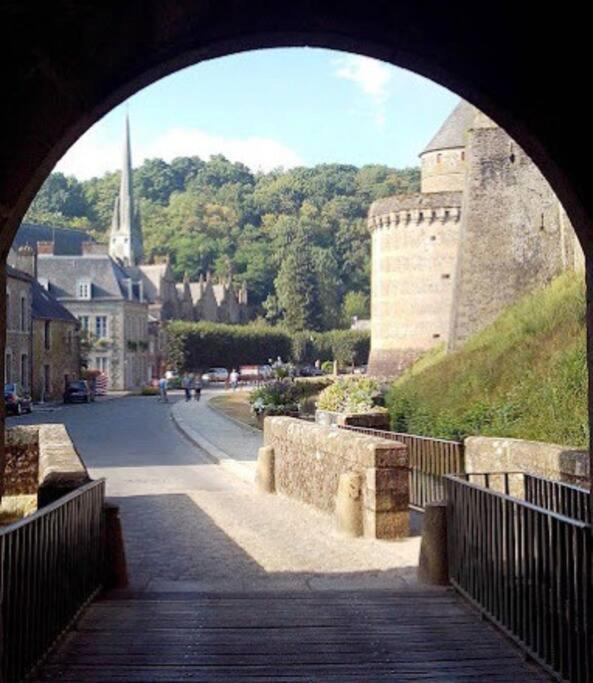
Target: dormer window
{"points": [[83, 289]]}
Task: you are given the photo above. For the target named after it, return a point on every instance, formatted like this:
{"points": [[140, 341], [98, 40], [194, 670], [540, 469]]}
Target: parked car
{"points": [[78, 391], [310, 371], [215, 375], [16, 400]]}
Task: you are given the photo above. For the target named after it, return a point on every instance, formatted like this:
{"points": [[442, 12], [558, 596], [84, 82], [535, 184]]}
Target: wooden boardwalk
{"points": [[288, 636]]}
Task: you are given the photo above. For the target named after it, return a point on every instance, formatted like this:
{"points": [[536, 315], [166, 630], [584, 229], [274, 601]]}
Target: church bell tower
{"points": [[125, 243]]}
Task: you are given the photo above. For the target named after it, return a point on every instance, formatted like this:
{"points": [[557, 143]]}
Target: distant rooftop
{"points": [[67, 241]]}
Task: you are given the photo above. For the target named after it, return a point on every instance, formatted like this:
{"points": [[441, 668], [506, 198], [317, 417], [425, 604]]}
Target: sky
{"points": [[273, 108]]}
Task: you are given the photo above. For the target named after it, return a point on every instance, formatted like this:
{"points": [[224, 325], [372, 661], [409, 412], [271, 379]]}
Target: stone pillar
{"points": [[349, 504], [387, 493], [116, 570], [433, 566], [264, 477]]}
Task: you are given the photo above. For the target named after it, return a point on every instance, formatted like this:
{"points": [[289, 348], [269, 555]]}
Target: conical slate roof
{"points": [[452, 133]]}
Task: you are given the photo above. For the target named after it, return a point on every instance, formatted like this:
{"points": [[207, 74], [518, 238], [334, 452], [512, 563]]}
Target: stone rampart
{"points": [[486, 454], [309, 460]]}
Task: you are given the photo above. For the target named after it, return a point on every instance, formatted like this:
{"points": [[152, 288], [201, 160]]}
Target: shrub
{"points": [[327, 367], [194, 346], [275, 398], [351, 395], [149, 391]]}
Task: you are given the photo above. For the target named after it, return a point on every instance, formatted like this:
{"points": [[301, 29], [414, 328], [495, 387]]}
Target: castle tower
{"points": [[443, 159], [125, 243], [415, 243]]}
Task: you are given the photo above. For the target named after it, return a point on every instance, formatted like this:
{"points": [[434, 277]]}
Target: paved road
{"points": [[191, 525]]}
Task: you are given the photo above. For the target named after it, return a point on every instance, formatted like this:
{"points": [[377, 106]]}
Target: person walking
{"points": [[163, 385], [186, 386], [234, 379], [198, 388]]}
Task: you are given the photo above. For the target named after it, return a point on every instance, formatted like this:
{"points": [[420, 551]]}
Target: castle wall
{"points": [[413, 267], [443, 171], [515, 236]]}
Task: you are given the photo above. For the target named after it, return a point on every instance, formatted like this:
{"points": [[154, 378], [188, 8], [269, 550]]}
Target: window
{"points": [[462, 156], [8, 311], [46, 380], [101, 326], [102, 364], [23, 314], [24, 370], [69, 340], [47, 335], [84, 322], [446, 276], [83, 289], [439, 157], [8, 367]]}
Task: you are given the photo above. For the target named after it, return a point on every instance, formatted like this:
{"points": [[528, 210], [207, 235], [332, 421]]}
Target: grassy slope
{"points": [[523, 376]]}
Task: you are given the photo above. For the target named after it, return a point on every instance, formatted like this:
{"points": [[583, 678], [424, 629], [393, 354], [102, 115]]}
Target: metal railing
{"points": [[429, 461], [51, 565], [525, 566]]}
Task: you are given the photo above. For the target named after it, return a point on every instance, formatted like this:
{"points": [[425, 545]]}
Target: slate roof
{"points": [[45, 306], [18, 274], [66, 240], [151, 277], [409, 202], [451, 134], [106, 275]]}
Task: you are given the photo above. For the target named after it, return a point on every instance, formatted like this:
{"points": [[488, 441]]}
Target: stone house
{"points": [[18, 353], [42, 350], [56, 346], [110, 307]]}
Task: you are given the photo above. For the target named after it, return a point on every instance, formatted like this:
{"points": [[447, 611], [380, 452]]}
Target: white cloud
{"points": [[371, 76], [93, 154]]}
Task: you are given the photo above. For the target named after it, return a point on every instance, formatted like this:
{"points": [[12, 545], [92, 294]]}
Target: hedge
{"points": [[196, 346]]}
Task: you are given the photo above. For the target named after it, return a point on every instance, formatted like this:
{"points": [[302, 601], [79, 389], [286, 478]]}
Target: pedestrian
{"points": [[234, 379], [198, 388], [186, 386], [163, 385]]}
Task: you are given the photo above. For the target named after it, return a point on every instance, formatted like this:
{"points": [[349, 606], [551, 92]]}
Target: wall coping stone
{"points": [[361, 449], [60, 465], [489, 454]]}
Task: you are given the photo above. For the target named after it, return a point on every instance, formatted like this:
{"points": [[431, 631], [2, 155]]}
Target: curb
{"points": [[218, 456], [220, 412]]}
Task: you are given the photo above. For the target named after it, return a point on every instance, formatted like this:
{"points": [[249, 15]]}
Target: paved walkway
{"points": [[230, 444]]}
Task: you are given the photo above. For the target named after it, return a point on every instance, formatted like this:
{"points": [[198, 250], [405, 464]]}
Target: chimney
{"points": [[45, 248], [93, 248], [26, 261]]}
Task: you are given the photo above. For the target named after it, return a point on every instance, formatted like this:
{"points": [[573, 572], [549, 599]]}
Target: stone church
{"points": [[485, 229], [168, 300]]}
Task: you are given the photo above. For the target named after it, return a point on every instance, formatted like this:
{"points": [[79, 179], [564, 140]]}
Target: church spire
{"points": [[126, 234]]}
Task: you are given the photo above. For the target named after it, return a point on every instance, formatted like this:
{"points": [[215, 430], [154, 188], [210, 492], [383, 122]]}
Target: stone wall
{"points": [[515, 236], [21, 474], [486, 454], [309, 459], [62, 358], [42, 460]]}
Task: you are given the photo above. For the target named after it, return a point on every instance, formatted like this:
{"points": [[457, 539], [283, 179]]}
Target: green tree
{"points": [[297, 287]]}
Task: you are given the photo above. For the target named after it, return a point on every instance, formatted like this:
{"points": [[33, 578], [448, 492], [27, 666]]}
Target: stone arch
{"points": [[66, 64]]}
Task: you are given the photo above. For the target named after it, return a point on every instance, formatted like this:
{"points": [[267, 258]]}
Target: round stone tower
{"points": [[415, 243]]}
